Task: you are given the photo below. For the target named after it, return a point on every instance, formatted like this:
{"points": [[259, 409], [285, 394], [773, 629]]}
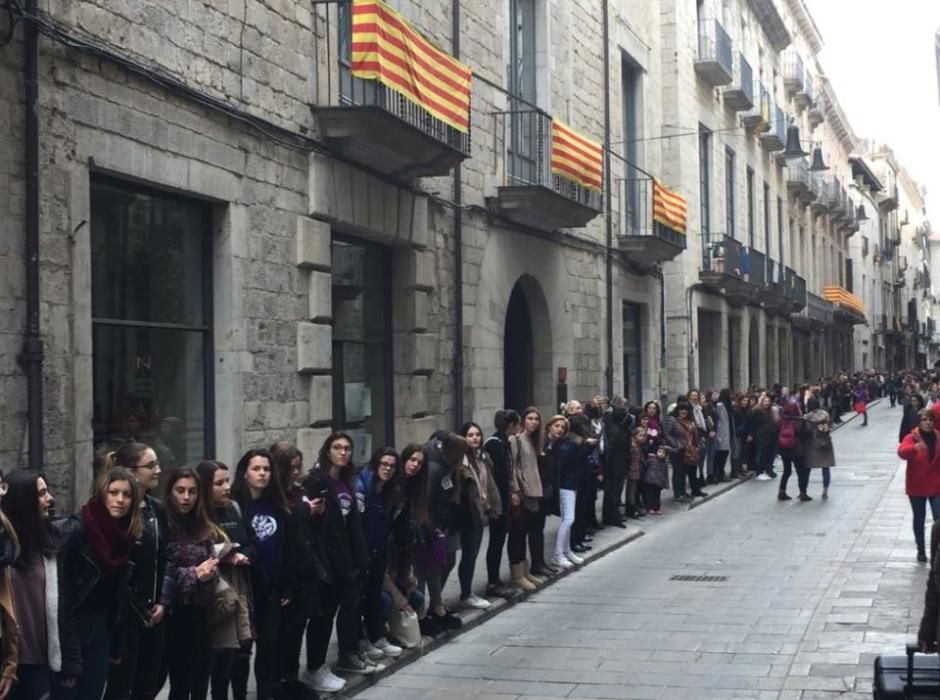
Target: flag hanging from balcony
{"points": [[576, 158], [669, 208], [387, 49]]}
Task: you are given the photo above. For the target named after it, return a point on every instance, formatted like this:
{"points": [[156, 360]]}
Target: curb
{"points": [[715, 493]]}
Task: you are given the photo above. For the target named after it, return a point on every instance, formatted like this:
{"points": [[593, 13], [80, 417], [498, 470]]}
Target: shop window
{"points": [[151, 321], [362, 345]]}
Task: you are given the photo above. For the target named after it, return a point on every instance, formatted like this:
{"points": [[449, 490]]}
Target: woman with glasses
{"points": [[922, 478], [377, 490], [142, 636]]}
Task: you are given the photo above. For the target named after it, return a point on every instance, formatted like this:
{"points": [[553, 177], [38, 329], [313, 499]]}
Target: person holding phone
{"points": [[922, 478]]}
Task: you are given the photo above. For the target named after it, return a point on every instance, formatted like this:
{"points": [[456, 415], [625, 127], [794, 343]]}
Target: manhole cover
{"points": [[698, 579]]}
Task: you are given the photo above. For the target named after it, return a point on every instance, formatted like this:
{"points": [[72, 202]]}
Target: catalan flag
{"points": [[669, 208], [387, 49], [576, 158]]}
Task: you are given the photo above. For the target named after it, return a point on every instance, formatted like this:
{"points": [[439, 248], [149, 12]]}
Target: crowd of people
{"points": [[189, 577]]}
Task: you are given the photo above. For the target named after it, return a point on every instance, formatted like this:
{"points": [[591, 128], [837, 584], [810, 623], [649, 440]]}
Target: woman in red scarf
{"points": [[95, 549]]}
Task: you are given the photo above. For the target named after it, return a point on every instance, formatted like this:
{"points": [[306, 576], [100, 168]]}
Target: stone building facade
{"points": [[240, 242]]}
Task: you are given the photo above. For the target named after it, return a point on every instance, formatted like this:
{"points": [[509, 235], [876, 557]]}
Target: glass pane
{"points": [[148, 256], [148, 386], [360, 293], [363, 385]]}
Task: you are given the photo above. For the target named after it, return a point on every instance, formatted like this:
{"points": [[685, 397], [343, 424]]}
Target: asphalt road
{"points": [[809, 593]]}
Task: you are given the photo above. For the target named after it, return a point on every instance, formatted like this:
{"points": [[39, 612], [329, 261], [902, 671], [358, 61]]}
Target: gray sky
{"points": [[879, 55]]}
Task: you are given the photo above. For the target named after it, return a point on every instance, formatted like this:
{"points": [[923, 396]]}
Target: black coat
{"points": [[443, 513], [617, 454], [344, 543], [149, 557], [909, 421], [497, 447], [572, 463]]}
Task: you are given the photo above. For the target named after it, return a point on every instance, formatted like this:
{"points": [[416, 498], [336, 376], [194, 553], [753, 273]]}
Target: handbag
{"points": [[404, 628], [432, 553]]}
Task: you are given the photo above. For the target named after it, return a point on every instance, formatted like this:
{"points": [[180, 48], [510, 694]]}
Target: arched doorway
{"points": [[528, 374], [753, 354], [518, 352]]}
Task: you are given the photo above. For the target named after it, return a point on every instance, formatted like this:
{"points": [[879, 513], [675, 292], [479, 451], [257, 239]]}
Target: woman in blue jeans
{"points": [[922, 479]]}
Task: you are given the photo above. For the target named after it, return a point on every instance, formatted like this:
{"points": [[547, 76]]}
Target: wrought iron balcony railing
{"points": [[715, 62], [793, 71], [739, 95]]}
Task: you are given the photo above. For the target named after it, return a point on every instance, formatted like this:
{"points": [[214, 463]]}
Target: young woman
{"points": [[37, 589], [790, 444], [566, 442], [262, 500], [347, 559], [911, 415], [231, 641], [137, 677], [763, 438], [194, 576], [705, 428], [95, 556], [525, 494], [478, 502], [721, 408], [506, 423], [377, 491], [817, 445], [922, 479], [9, 632], [409, 522], [685, 443]]}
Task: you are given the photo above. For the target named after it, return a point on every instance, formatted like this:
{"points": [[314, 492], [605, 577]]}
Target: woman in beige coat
{"points": [[526, 491]]}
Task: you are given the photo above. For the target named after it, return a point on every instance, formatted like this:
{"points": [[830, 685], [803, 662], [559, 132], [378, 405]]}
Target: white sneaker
{"points": [[323, 680], [387, 648], [475, 602], [573, 558], [764, 476], [370, 652], [374, 666], [561, 563]]}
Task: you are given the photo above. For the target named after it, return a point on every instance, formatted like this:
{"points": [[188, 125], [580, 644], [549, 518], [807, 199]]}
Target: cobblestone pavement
{"points": [[812, 592]]}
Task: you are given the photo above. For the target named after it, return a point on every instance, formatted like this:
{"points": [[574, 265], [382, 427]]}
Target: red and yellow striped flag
{"points": [[669, 208], [386, 48], [576, 158]]}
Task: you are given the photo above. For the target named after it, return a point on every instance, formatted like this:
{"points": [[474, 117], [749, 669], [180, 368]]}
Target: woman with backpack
{"points": [[790, 445], [817, 444]]}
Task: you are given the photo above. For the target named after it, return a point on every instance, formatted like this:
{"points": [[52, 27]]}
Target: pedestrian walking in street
{"points": [[910, 415], [817, 446], [506, 422], [526, 494], [137, 677], [922, 477], [45, 648], [790, 440], [861, 396]]}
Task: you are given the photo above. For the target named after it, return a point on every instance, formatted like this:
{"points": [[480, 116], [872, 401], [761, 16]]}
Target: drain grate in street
{"points": [[698, 579]]}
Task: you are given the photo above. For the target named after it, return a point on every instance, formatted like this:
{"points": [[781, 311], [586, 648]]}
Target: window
{"points": [[751, 208], [780, 230], [151, 282], [705, 177], [632, 346], [767, 247], [362, 345], [631, 82], [524, 144], [729, 192]]}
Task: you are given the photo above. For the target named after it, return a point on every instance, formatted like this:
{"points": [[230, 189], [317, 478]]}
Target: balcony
{"points": [[714, 64], [723, 268], [773, 295], [806, 96], [849, 222], [739, 96], [888, 198], [817, 185], [817, 314], [817, 111], [755, 269], [796, 290], [757, 119], [793, 72], [848, 307], [530, 191], [642, 239], [776, 138], [382, 128], [800, 181]]}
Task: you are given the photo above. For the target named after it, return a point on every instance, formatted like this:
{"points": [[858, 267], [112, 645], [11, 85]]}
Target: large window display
{"points": [[151, 321]]}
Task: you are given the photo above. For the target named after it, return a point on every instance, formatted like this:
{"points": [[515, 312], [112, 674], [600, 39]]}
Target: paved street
{"points": [[811, 592]]}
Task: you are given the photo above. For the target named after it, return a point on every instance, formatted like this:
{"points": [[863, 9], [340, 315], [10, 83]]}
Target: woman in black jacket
{"points": [[763, 436], [261, 499], [340, 528], [137, 677], [909, 419], [95, 553]]}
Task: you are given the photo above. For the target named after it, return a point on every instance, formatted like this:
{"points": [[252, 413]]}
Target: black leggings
{"points": [[536, 535], [652, 496], [494, 548], [518, 533], [339, 600], [372, 613], [471, 537], [137, 677], [188, 647], [226, 664]]}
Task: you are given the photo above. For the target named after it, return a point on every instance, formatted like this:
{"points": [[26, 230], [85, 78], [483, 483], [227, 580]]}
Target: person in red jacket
{"points": [[919, 448]]}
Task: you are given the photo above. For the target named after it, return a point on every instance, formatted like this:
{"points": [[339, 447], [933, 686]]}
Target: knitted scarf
{"points": [[108, 536]]}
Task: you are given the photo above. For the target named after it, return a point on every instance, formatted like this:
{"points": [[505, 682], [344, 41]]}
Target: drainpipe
{"points": [[458, 250], [31, 357], [607, 205], [663, 390]]}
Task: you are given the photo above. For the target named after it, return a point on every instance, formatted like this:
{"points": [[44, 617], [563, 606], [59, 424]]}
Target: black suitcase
{"points": [[914, 677]]}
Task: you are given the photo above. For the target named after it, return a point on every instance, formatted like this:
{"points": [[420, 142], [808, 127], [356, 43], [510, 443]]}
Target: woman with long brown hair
{"points": [[95, 556], [526, 492]]}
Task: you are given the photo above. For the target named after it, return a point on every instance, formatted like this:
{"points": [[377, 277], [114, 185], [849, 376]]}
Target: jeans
{"points": [[919, 509], [372, 613], [827, 477], [494, 549], [267, 626], [764, 459], [415, 600], [678, 476], [567, 499], [340, 601], [95, 639], [802, 473], [137, 677], [471, 537], [187, 645]]}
